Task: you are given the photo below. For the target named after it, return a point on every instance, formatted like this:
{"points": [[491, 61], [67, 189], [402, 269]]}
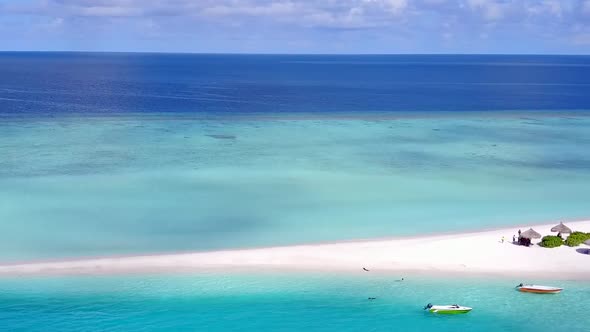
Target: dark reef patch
{"points": [[221, 136]]}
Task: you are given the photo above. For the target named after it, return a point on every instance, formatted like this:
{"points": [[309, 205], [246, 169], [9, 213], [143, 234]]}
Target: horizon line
{"points": [[294, 54]]}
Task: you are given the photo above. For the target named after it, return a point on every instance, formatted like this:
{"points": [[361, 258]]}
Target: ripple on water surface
{"points": [[281, 302], [100, 186]]}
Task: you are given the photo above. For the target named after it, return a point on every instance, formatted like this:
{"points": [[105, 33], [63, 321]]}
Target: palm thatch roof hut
{"points": [[561, 228], [530, 234]]}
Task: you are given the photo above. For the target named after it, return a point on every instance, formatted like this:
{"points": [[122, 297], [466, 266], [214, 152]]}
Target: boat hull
{"points": [[448, 309], [539, 291], [449, 312]]}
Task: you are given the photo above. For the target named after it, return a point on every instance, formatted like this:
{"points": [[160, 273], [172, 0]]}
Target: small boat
{"points": [[447, 309], [538, 289]]}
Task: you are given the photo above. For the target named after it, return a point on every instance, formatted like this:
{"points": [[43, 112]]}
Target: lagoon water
{"points": [[115, 154], [270, 302], [102, 186]]}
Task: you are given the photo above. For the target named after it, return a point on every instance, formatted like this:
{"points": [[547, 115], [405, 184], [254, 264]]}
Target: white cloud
{"points": [[418, 15], [353, 19], [551, 7], [395, 6], [490, 10], [581, 39], [56, 22], [345, 14], [434, 2], [392, 6], [270, 9], [111, 11]]}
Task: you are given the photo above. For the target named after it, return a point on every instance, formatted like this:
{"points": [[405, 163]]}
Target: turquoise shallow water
{"points": [[282, 303], [144, 184], [107, 154]]}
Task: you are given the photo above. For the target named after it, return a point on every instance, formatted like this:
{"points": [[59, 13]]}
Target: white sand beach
{"points": [[477, 253]]}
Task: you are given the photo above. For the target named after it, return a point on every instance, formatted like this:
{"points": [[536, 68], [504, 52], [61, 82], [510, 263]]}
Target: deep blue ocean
{"points": [[118, 154], [84, 83]]}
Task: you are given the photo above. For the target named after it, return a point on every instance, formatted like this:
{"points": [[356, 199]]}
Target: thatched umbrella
{"points": [[530, 234], [561, 228]]}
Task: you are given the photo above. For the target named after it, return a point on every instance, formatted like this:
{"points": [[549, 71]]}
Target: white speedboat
{"points": [[447, 309], [538, 289]]}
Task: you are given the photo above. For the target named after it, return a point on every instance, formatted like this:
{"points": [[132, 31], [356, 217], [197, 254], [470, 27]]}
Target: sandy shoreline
{"points": [[463, 254]]}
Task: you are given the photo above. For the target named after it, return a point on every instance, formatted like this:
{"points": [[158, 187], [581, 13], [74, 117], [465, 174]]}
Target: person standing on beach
{"points": [[519, 233], [513, 238], [502, 239]]}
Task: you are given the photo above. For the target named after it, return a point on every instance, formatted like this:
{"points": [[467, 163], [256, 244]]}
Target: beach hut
{"points": [[526, 236], [561, 229], [530, 234]]}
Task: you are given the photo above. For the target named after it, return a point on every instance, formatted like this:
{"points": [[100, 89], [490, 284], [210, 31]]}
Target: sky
{"points": [[297, 26]]}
